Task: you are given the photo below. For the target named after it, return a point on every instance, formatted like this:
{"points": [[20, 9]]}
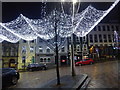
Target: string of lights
{"points": [[30, 29]]}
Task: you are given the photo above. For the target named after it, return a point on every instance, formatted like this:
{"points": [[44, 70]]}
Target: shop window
{"points": [[48, 59], [41, 59]]}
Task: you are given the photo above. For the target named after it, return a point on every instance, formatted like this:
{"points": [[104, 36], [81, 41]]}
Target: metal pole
{"points": [[72, 47], [72, 57]]}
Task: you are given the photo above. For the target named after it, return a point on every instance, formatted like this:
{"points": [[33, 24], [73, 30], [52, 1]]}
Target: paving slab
{"points": [[67, 82]]}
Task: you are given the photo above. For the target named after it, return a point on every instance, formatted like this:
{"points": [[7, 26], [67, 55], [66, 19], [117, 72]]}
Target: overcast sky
{"points": [[11, 10]]}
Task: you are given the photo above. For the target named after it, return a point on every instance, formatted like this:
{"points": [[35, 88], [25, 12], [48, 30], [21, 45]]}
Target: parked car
{"points": [[10, 76], [85, 61], [36, 66]]}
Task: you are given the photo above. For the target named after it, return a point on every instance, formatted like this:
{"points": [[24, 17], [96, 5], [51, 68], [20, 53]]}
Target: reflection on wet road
{"points": [[103, 75]]}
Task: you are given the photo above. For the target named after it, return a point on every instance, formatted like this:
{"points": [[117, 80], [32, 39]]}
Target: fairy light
{"points": [[30, 29]]}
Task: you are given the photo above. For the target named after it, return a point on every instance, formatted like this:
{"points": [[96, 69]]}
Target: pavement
{"points": [[66, 82], [102, 75]]}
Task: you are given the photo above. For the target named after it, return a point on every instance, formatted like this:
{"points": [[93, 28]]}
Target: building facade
{"points": [[100, 42], [103, 39], [45, 52], [26, 53], [1, 55], [10, 54]]}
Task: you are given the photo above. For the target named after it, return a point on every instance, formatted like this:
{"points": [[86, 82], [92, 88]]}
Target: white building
{"points": [[45, 53], [26, 53]]}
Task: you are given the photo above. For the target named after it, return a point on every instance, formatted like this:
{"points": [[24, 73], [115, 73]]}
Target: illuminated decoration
{"points": [[30, 29], [6, 35], [1, 40], [116, 40]]}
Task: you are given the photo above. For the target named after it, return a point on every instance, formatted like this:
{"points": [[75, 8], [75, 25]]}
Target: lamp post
{"points": [[72, 42]]}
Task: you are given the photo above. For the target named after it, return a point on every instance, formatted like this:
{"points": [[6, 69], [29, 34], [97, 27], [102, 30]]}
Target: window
{"points": [[23, 59], [32, 41], [109, 38], [45, 60], [105, 38], [78, 48], [24, 41], [99, 28], [116, 28], [77, 39], [95, 38], [40, 49], [108, 28], [103, 28], [48, 59], [31, 49], [75, 47], [91, 38], [84, 39], [40, 40], [23, 49], [100, 38], [41, 59], [69, 39], [95, 29], [112, 27], [63, 49], [62, 39], [48, 50]]}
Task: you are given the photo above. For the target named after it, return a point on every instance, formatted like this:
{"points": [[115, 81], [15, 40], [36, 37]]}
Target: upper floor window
{"points": [[103, 28], [95, 38], [23, 49], [40, 40], [109, 38], [48, 50], [62, 39], [117, 28], [99, 28], [100, 38], [78, 48], [31, 49], [77, 39], [91, 38], [112, 27], [69, 39], [32, 41], [24, 41], [105, 38], [23, 59], [63, 49], [94, 28], [40, 49], [108, 28]]}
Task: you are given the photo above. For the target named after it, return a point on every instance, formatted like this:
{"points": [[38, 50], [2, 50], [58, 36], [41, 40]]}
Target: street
{"points": [[103, 75]]}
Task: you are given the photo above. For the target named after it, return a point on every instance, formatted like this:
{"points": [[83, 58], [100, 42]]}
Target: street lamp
{"points": [[72, 41]]}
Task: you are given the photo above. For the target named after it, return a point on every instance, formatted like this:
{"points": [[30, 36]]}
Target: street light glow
{"points": [[74, 1], [62, 0]]}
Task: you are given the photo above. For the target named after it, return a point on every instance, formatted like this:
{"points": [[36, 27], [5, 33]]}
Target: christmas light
{"points": [[30, 29]]}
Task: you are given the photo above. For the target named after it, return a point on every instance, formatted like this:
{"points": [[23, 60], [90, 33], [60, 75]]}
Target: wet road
{"points": [[103, 75]]}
